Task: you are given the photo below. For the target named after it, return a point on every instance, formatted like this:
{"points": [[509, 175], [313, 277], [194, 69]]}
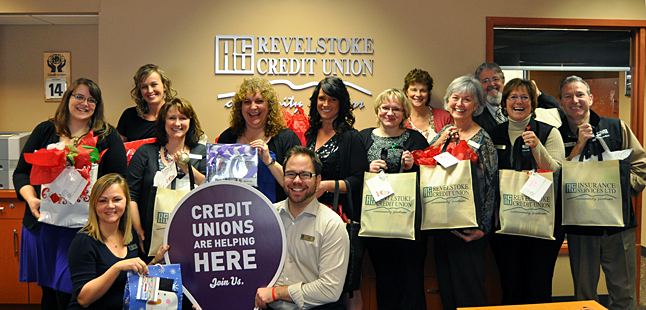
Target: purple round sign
{"points": [[229, 240]]}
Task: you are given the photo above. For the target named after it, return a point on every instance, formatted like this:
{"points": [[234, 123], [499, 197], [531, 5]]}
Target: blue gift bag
{"points": [[168, 295]]}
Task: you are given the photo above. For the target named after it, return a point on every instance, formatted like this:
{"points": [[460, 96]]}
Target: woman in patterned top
{"points": [[460, 254], [398, 263], [337, 144]]}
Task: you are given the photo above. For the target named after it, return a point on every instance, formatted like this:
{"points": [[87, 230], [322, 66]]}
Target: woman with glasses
{"points": [[152, 89], [526, 264], [257, 119], [398, 263], [424, 118], [44, 247], [460, 254], [337, 144]]}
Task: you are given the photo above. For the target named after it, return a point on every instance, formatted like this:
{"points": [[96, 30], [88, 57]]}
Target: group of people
{"points": [[86, 268]]}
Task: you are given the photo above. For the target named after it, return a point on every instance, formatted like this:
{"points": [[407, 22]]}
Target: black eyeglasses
{"points": [[304, 175], [82, 98]]}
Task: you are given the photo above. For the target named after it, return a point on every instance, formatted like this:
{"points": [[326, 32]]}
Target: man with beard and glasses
{"points": [[317, 242], [493, 81]]}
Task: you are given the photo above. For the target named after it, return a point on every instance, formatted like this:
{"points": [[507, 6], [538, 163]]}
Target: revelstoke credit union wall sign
{"points": [[270, 56]]}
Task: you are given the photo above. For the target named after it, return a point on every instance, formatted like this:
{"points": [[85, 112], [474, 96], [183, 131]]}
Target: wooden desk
{"points": [[572, 305]]}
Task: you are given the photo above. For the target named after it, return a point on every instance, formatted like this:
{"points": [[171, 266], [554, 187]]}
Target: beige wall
{"points": [[446, 38], [22, 87]]}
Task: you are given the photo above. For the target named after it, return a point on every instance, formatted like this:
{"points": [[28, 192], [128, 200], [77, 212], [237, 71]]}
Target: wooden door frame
{"points": [[637, 64]]}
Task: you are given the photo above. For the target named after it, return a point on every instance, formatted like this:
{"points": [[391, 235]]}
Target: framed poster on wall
{"points": [[57, 74]]}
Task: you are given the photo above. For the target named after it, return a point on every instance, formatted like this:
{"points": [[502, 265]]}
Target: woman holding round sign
{"points": [[166, 161], [257, 119], [44, 247], [152, 89], [106, 248], [526, 264], [398, 263], [460, 254]]}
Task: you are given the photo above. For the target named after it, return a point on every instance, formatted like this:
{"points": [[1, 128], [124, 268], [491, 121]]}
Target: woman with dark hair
{"points": [[44, 247], [460, 254], [178, 131], [337, 144], [152, 89], [526, 264], [257, 119], [106, 248], [398, 263], [428, 120]]}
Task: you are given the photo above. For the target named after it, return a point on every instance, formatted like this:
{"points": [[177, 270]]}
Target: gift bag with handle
{"points": [[450, 199], [519, 214], [160, 289], [596, 187]]}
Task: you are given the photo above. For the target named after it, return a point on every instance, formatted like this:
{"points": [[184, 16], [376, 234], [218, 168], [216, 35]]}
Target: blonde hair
{"points": [[398, 96], [125, 222]]}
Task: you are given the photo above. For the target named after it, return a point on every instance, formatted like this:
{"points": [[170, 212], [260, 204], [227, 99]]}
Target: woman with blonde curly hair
{"points": [[257, 119], [152, 89]]}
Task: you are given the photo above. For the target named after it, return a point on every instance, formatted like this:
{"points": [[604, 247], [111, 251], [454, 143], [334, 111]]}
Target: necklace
{"points": [[244, 135], [110, 241], [76, 139], [429, 133]]}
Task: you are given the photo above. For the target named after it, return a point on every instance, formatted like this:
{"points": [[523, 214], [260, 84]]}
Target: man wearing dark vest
{"points": [[614, 249], [493, 80]]}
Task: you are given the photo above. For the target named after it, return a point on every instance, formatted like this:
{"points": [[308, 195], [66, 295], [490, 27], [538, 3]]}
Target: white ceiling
{"points": [[7, 19]]}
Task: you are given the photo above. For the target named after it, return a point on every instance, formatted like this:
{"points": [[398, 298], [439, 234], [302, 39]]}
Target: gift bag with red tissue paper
{"points": [[66, 173], [450, 199]]}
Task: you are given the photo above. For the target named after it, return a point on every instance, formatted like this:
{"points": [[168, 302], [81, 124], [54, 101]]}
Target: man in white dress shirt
{"points": [[317, 242]]}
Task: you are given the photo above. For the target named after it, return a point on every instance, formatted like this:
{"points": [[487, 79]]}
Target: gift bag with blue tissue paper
{"points": [[160, 289]]}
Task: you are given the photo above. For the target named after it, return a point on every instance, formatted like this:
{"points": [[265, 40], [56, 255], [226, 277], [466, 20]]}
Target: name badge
{"points": [[307, 238], [473, 144], [501, 147], [570, 144], [132, 247]]}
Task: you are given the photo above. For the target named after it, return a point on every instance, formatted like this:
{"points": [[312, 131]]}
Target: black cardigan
{"points": [[141, 173], [352, 165]]}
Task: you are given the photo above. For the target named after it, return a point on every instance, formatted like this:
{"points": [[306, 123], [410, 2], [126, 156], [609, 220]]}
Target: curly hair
{"points": [[333, 87], [143, 73], [275, 120], [183, 106], [419, 76], [97, 122]]}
